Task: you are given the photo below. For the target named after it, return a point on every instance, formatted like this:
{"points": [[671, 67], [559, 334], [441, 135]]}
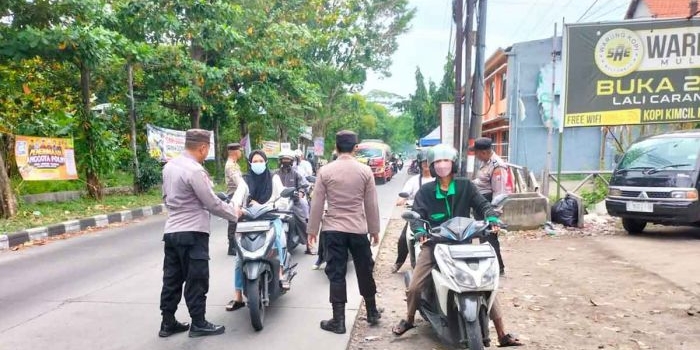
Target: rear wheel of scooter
{"points": [[474, 338], [254, 292]]}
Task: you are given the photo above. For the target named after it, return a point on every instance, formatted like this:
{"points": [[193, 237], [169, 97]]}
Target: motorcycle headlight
{"points": [[454, 268]]}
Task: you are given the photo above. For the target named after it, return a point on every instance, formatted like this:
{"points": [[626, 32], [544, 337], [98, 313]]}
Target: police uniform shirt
{"points": [[233, 176], [488, 182], [189, 198], [348, 188]]}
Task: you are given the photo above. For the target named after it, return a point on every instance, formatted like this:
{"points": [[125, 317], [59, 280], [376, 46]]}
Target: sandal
{"points": [[285, 285], [509, 340], [402, 328], [234, 305]]}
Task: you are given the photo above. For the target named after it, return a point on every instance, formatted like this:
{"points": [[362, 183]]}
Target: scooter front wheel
{"points": [[474, 337], [254, 292]]}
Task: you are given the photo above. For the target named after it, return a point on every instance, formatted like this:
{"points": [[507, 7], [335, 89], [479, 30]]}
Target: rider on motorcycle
{"points": [[260, 187], [436, 203], [290, 177]]}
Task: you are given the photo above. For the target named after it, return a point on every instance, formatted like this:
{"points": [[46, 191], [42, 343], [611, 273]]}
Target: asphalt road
{"points": [[101, 291]]}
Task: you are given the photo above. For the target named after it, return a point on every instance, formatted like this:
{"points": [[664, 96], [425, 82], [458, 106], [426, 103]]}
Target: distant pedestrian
{"points": [[347, 186], [491, 181], [189, 198], [233, 178]]}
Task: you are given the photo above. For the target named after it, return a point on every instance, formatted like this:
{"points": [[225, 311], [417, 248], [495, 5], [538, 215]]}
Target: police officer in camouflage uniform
{"points": [[189, 198], [492, 181], [233, 177]]}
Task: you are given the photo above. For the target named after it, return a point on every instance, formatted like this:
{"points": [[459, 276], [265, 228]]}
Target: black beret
{"points": [[235, 146], [198, 136], [346, 137], [481, 144]]}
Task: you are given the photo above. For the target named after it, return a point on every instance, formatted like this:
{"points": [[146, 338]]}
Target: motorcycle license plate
{"points": [[642, 207]]}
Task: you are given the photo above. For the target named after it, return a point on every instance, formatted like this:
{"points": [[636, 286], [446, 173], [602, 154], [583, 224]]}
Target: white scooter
{"points": [[464, 282]]}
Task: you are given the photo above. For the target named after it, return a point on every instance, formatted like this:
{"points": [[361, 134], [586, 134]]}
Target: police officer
{"points": [[188, 197], [491, 180], [233, 177], [348, 188]]}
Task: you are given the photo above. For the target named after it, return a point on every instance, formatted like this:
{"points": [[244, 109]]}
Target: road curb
{"points": [[9, 240]]}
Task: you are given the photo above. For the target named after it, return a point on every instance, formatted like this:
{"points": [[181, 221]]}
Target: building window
{"points": [[504, 145], [503, 86]]}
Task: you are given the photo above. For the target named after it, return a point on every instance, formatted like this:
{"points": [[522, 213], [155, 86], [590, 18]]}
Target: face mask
{"points": [[443, 169], [286, 164], [258, 168]]}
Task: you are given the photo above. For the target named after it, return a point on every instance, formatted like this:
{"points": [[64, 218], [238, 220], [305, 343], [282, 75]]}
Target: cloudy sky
{"points": [[508, 21]]}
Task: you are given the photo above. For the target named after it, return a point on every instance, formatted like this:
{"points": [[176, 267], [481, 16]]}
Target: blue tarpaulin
{"points": [[431, 139]]}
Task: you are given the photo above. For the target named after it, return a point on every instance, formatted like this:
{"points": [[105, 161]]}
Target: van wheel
{"points": [[633, 226]]}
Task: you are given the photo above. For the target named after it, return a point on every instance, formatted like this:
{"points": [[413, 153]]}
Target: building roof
{"points": [[661, 8]]}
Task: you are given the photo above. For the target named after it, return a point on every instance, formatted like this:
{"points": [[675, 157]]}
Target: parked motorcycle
{"points": [[260, 260], [464, 283]]}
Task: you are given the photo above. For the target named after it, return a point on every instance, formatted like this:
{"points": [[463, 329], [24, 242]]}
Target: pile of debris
{"points": [[594, 225]]}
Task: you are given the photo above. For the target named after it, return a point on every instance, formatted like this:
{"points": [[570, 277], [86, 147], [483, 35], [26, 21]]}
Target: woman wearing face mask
{"points": [[259, 187]]}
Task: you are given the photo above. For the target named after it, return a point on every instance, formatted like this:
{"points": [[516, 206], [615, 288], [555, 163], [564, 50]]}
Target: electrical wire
{"points": [[589, 8]]}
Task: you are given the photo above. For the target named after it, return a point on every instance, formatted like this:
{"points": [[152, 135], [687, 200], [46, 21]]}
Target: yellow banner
{"points": [[621, 117], [45, 158]]}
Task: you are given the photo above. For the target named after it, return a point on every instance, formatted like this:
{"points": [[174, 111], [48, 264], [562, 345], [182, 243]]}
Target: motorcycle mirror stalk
{"points": [[404, 195]]}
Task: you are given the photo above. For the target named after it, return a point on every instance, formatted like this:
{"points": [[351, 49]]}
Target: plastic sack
{"points": [[565, 212]]}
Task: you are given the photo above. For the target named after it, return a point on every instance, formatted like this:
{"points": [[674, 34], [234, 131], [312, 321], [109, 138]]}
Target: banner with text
{"points": [[166, 144], [271, 148], [632, 72], [45, 158]]}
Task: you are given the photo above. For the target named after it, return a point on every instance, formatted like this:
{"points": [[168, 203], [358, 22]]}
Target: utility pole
{"points": [[466, 115], [478, 82], [457, 6], [548, 159]]}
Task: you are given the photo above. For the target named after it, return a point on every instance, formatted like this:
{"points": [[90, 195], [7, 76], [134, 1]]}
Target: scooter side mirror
{"points": [[404, 195], [499, 200], [410, 215], [222, 196], [287, 192]]}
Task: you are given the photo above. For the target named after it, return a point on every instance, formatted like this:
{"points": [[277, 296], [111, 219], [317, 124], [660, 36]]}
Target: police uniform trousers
{"points": [[186, 261], [337, 246], [492, 239]]}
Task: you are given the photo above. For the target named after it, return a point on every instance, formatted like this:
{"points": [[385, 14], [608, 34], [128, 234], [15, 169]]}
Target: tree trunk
{"points": [[94, 187], [8, 203], [132, 121], [217, 147], [197, 54]]}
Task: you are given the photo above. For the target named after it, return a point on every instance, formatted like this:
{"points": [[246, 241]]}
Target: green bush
{"points": [[596, 195], [151, 173]]}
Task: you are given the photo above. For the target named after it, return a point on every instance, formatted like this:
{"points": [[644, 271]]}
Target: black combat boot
{"points": [[201, 327], [170, 326], [337, 323], [373, 315]]}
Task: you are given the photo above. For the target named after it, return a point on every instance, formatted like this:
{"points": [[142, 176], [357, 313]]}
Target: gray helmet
{"points": [[440, 152]]}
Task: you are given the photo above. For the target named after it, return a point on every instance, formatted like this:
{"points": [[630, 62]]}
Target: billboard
{"points": [[636, 72], [45, 158], [271, 148], [166, 144]]}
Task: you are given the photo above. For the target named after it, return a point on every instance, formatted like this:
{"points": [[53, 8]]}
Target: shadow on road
{"points": [[670, 233]]}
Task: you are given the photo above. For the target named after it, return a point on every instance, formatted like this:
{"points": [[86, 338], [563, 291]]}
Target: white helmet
{"points": [[298, 153], [286, 154]]}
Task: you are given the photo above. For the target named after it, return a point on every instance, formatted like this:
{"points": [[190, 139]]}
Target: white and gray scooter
{"points": [[260, 260], [464, 282]]}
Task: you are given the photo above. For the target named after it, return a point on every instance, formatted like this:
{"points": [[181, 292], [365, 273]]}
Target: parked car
{"points": [[656, 181], [377, 155]]}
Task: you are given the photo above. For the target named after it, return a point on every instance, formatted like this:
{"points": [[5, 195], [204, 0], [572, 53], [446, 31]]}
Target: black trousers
{"points": [[337, 246], [402, 247], [492, 239], [232, 234], [186, 261]]}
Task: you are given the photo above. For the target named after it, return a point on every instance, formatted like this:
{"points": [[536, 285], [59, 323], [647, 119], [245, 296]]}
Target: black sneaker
{"points": [[206, 329], [168, 329]]}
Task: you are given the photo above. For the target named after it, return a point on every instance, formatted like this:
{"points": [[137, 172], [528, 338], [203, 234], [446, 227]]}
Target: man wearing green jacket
{"points": [[437, 202]]}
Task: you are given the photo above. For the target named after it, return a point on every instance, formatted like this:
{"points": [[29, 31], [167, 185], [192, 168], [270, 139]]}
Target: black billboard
{"points": [[632, 72]]}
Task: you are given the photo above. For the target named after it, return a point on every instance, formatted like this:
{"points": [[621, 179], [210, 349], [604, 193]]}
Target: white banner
{"points": [[166, 144], [447, 124]]}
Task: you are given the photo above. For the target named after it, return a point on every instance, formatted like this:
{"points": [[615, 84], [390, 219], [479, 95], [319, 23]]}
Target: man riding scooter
{"points": [[436, 203]]}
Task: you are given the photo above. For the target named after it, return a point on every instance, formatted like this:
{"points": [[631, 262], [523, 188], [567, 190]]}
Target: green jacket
{"points": [[437, 206]]}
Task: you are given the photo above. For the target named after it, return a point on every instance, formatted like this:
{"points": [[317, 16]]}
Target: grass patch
{"points": [[115, 179], [48, 213]]}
